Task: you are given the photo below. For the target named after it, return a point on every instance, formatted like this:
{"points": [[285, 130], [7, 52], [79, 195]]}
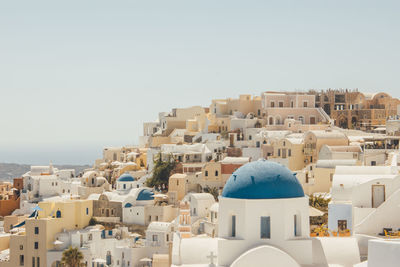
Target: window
{"points": [[265, 227], [216, 173], [280, 104], [250, 137], [87, 211], [233, 228], [58, 214], [33, 261], [36, 245], [206, 173], [289, 152], [272, 104], [155, 238], [373, 163], [305, 104], [36, 230], [21, 260], [297, 228], [38, 261], [21, 247], [279, 152]]}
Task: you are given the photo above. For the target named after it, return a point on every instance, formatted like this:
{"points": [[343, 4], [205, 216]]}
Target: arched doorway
{"points": [[271, 121], [343, 123]]}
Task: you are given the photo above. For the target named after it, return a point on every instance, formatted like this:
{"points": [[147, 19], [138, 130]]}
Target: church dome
{"points": [[126, 178], [262, 179], [145, 194]]}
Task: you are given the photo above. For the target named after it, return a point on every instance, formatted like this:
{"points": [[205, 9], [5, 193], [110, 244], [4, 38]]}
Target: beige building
{"points": [[245, 104], [29, 247], [317, 178], [314, 140], [289, 152]]}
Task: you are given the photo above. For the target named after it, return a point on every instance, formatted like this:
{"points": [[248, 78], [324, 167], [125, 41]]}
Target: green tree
{"points": [[162, 171], [93, 221], [72, 257]]}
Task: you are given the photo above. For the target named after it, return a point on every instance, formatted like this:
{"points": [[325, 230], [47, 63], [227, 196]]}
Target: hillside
{"points": [[13, 170]]}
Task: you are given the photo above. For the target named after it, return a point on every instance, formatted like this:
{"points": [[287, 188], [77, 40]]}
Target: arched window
{"points": [[58, 214], [297, 225], [216, 173]]}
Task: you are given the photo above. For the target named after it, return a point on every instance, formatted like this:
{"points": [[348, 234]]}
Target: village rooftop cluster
{"points": [[281, 179]]}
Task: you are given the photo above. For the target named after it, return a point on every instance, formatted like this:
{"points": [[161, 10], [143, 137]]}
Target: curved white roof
{"points": [[158, 226], [235, 160]]}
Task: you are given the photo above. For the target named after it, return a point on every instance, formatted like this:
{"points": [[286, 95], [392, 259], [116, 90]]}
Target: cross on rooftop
{"points": [[212, 257]]}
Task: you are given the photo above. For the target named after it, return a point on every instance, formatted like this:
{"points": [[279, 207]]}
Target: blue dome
{"points": [[262, 179], [126, 178], [145, 194], [128, 205]]}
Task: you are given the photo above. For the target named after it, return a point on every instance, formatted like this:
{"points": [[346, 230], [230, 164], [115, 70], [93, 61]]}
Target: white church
{"points": [[263, 220]]}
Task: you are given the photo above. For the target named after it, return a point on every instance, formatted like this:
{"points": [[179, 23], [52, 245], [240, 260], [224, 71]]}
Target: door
{"points": [[312, 120], [284, 153], [342, 225], [378, 195]]}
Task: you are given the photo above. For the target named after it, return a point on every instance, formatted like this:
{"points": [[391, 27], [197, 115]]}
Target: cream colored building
{"points": [[29, 247], [314, 140], [289, 152], [245, 104]]}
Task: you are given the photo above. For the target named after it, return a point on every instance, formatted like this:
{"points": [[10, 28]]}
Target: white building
{"points": [[358, 195], [263, 220]]}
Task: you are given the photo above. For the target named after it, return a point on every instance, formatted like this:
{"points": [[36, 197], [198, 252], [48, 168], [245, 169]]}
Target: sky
{"points": [[76, 76]]}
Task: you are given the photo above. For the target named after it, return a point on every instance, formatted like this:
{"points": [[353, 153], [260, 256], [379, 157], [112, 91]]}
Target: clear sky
{"points": [[79, 75]]}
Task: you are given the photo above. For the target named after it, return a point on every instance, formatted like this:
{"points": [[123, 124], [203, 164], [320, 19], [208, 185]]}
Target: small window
{"points": [[87, 211], [155, 238], [206, 173], [233, 226], [265, 227], [36, 230], [21, 247], [21, 260], [36, 245], [216, 173], [289, 152]]}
